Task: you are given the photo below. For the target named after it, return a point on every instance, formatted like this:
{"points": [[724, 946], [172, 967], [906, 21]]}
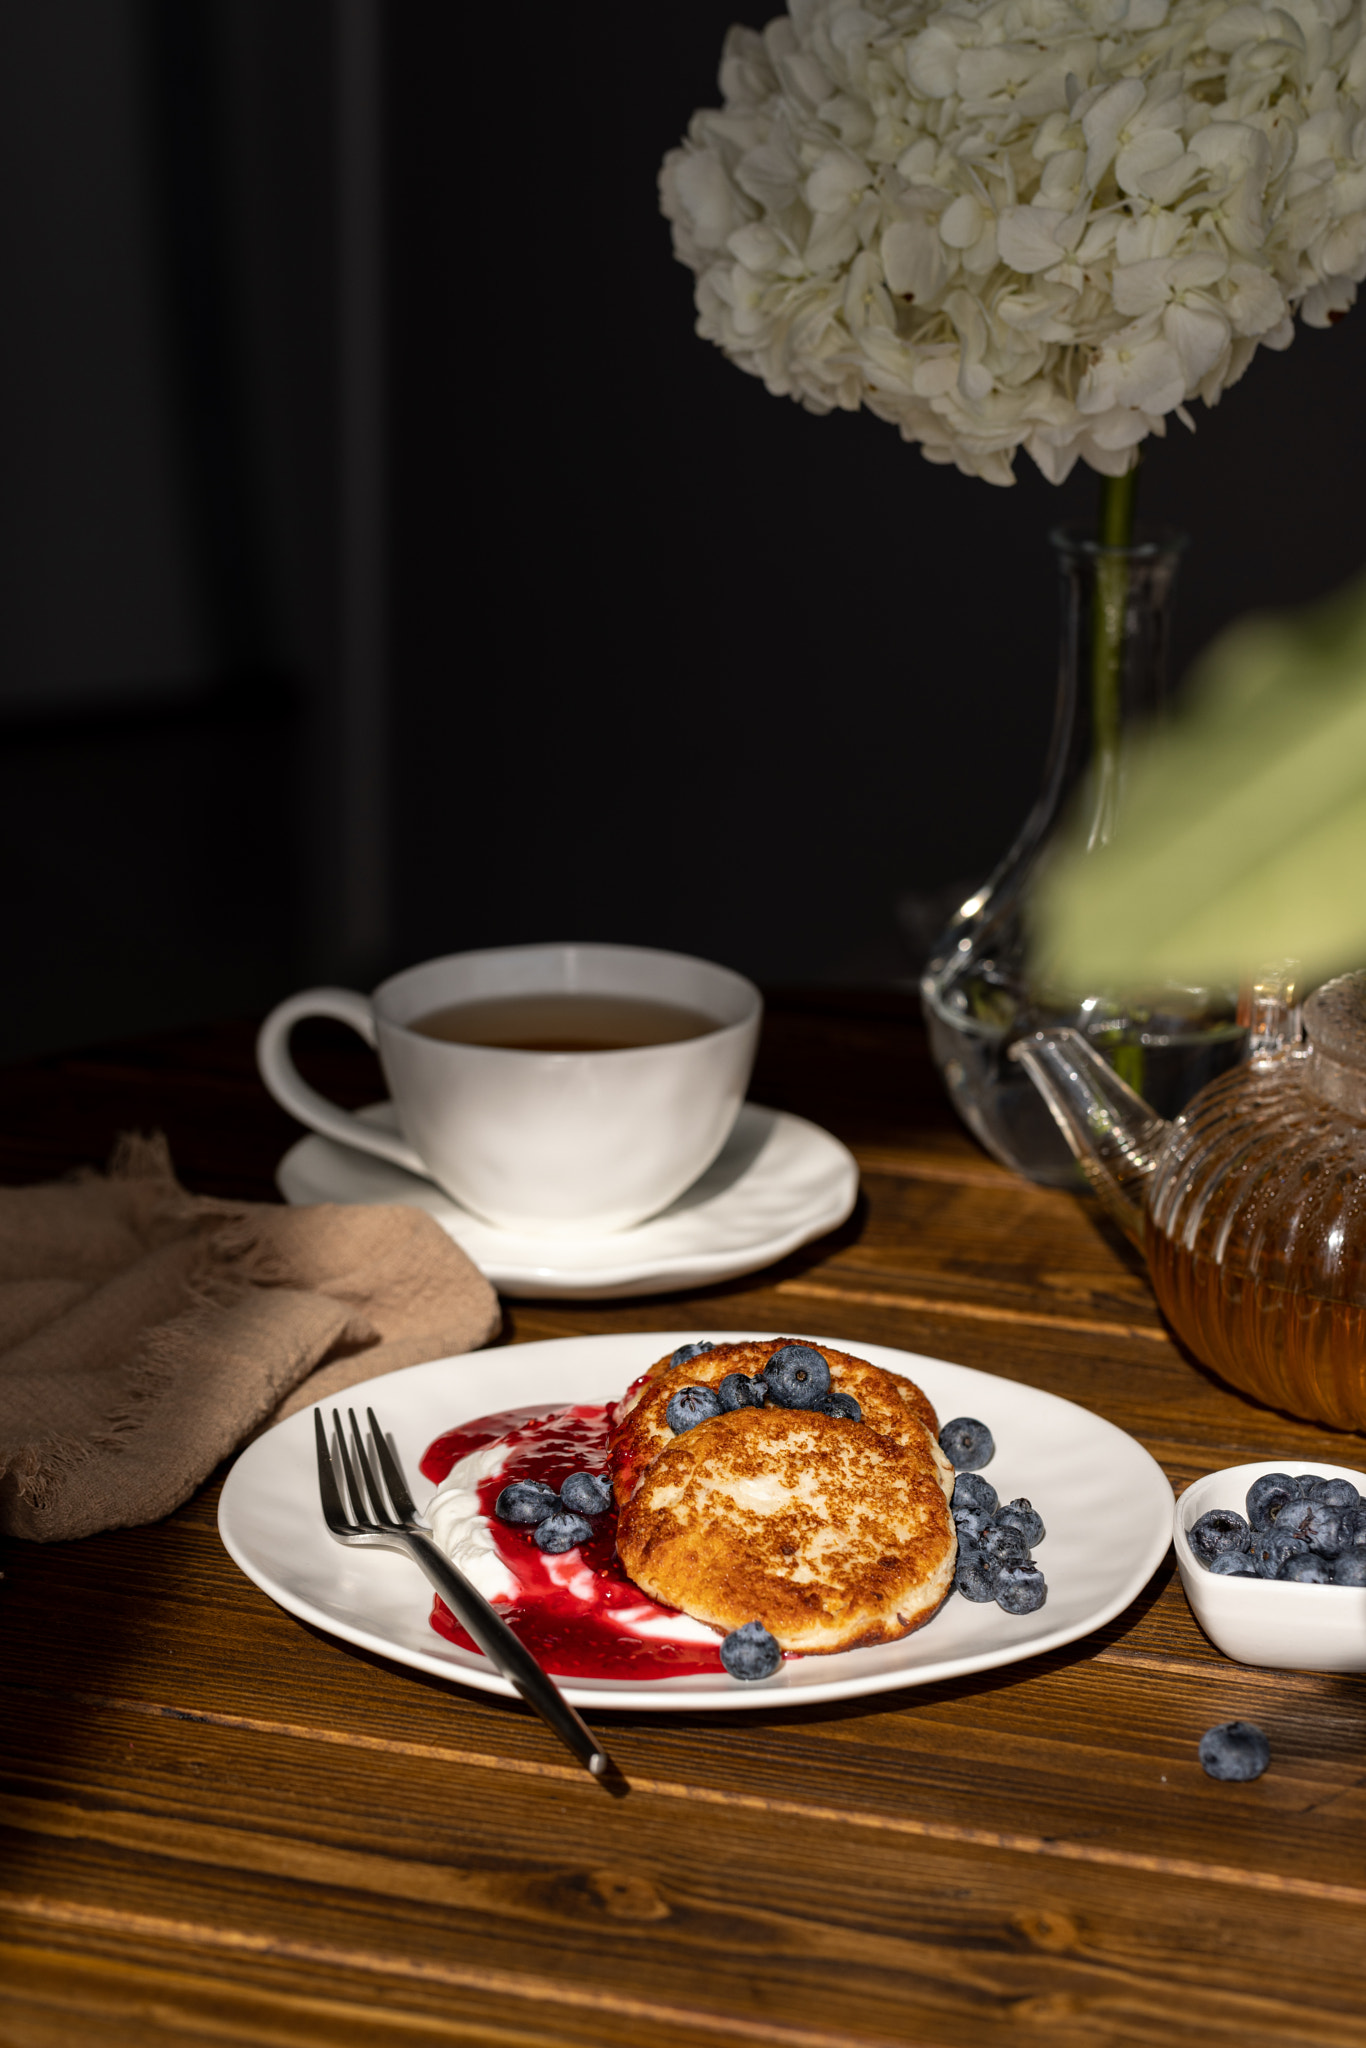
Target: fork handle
{"points": [[487, 1628]]}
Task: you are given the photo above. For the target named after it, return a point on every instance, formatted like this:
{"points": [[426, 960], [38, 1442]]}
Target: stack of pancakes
{"points": [[832, 1533]]}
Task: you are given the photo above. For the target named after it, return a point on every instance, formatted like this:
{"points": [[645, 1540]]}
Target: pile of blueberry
{"points": [[560, 1521], [796, 1376], [1302, 1527], [994, 1542]]}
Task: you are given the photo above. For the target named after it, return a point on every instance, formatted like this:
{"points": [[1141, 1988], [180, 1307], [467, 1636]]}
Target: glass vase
{"points": [[1166, 1042]]}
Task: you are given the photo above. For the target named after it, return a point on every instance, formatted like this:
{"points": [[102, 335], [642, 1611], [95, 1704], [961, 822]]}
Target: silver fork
{"points": [[372, 1524]]}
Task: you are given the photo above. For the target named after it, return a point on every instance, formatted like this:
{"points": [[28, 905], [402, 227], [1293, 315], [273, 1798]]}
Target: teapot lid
{"points": [[1335, 1021]]}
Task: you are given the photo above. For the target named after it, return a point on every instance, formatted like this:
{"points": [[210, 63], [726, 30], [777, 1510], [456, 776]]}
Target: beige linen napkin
{"points": [[145, 1332]]}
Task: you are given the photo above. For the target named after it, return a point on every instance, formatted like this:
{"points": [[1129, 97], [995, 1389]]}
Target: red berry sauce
{"points": [[569, 1635]]}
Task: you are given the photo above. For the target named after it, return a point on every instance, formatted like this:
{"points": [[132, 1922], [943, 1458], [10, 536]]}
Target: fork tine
{"points": [[392, 1470], [357, 1497], [378, 1505], [334, 1514]]}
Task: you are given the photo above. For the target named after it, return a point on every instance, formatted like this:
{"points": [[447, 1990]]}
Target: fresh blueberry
{"points": [[836, 1403], [971, 1490], [1020, 1588], [1336, 1493], [1306, 1482], [1003, 1544], [526, 1501], [587, 1493], [689, 1406], [1019, 1514], [750, 1652], [967, 1444], [1352, 1529], [688, 1351], [1293, 1516], [1219, 1529], [562, 1532], [1271, 1551], [1350, 1568], [1308, 1570], [1234, 1564], [737, 1390], [1268, 1495], [1321, 1528], [797, 1376], [970, 1522], [1235, 1750], [974, 1577]]}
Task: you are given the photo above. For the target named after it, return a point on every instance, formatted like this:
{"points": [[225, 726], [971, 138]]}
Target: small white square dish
{"points": [[1273, 1622]]}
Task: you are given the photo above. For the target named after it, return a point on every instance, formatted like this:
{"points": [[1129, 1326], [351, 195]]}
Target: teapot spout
{"points": [[1116, 1138]]}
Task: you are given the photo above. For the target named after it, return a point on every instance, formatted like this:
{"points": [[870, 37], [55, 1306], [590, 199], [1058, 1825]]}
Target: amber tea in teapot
{"points": [[1250, 1207]]}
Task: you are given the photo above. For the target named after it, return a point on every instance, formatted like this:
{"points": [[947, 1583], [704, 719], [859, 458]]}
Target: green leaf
{"points": [[1242, 833]]}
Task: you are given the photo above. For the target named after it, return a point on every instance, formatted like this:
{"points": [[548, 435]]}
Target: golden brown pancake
{"points": [[892, 1406], [826, 1531]]}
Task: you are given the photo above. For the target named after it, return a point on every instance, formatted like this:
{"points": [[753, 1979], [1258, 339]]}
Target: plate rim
{"points": [[643, 1272], [653, 1695]]}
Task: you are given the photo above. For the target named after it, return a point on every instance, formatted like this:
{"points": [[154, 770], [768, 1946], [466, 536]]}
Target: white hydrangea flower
{"points": [[1025, 223]]}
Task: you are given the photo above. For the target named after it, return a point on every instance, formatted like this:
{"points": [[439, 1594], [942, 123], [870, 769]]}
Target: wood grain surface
{"points": [[222, 1827]]}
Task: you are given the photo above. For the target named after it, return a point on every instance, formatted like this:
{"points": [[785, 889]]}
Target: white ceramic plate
{"points": [[777, 1183], [1106, 1507]]}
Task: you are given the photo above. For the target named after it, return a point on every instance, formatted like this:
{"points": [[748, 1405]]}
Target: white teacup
{"points": [[547, 1143]]}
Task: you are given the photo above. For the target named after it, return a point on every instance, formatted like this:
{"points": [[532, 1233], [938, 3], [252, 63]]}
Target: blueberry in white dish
{"points": [[1308, 1570], [1268, 1495], [1236, 1564], [1219, 1529], [975, 1576], [1020, 1587]]}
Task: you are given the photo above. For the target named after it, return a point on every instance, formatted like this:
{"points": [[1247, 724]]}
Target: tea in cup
{"points": [[561, 1090]]}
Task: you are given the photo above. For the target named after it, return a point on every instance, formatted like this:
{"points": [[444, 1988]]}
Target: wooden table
{"points": [[223, 1827]]}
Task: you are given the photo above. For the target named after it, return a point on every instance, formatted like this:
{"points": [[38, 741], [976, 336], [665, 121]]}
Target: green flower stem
{"points": [[1117, 495]]}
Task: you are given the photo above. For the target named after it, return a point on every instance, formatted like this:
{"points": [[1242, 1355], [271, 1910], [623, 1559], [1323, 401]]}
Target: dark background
{"points": [[386, 568]]}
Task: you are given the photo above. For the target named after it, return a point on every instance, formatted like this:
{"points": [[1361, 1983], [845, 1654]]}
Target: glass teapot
{"points": [[1251, 1207]]}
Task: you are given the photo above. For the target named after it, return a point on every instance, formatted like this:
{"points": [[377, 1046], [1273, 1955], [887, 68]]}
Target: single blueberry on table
{"points": [[836, 1403], [974, 1576], [562, 1532], [1020, 1588], [526, 1501], [1308, 1570], [1235, 1750], [737, 1390], [1335, 1493], [1219, 1529], [587, 1493], [1003, 1544], [967, 1443], [687, 1351], [797, 1377], [1268, 1495], [1350, 1568], [1235, 1564], [1021, 1515], [750, 1652], [971, 1490], [689, 1406]]}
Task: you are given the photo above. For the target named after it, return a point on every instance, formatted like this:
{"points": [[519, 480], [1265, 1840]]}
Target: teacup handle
{"points": [[293, 1093]]}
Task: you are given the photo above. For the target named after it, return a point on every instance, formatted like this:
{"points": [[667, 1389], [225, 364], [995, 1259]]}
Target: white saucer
{"points": [[777, 1183]]}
